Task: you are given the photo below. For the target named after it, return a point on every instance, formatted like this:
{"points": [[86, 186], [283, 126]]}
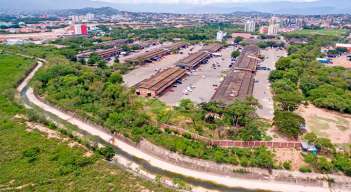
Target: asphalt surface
{"points": [[262, 89], [199, 85]]}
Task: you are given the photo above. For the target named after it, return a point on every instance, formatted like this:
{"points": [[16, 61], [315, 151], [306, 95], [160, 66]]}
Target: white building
{"points": [[273, 29], [77, 29], [250, 26], [220, 35]]}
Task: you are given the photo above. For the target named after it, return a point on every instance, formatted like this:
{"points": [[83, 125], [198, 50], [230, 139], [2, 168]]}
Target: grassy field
{"points": [[31, 162], [328, 32]]}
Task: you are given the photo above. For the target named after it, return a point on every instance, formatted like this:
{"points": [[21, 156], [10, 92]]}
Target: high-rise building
{"points": [[80, 29], [273, 29], [77, 29], [250, 26], [84, 29], [274, 25]]}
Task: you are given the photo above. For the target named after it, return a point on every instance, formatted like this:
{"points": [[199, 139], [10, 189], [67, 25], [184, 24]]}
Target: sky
{"points": [[201, 2], [306, 7]]}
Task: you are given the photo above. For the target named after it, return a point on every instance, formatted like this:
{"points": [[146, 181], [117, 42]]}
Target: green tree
{"points": [[238, 39], [241, 112], [288, 123], [289, 101], [235, 54]]}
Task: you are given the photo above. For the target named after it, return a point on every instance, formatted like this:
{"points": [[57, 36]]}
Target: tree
{"points": [[102, 63], [284, 63], [235, 54], [238, 39], [241, 112], [94, 59], [250, 132], [116, 78], [289, 101], [288, 123]]}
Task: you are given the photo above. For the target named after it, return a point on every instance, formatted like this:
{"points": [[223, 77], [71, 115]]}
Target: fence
{"points": [[233, 143]]}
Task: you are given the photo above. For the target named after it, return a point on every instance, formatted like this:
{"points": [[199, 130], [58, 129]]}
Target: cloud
{"points": [[197, 1]]}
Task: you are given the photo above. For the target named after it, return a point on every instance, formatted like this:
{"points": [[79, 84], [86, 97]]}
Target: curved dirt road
{"points": [[215, 178]]}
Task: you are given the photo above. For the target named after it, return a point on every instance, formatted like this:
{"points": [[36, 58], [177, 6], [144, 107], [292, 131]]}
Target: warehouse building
{"points": [[149, 56], [212, 48], [113, 44], [193, 60], [176, 46], [159, 82], [239, 83], [106, 54], [201, 57], [155, 54]]}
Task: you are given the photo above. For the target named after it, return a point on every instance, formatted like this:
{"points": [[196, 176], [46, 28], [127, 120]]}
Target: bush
{"points": [[108, 152], [287, 165], [304, 169], [31, 154]]}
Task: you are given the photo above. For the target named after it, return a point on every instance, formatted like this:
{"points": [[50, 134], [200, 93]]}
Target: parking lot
{"points": [[200, 85], [262, 88], [147, 70]]}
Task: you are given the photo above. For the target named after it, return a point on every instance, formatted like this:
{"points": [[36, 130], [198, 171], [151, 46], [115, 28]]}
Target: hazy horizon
{"points": [[195, 6]]}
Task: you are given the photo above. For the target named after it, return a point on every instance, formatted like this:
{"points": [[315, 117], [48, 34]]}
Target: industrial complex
{"points": [[239, 83], [155, 85]]}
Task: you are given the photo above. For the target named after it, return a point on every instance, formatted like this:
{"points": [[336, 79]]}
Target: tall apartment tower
{"points": [[274, 26], [250, 26]]}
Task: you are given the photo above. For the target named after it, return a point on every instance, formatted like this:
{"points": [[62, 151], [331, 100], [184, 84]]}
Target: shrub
{"points": [[304, 169]]}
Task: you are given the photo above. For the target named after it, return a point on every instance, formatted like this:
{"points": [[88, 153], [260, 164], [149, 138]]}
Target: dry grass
{"points": [[293, 155], [333, 125]]}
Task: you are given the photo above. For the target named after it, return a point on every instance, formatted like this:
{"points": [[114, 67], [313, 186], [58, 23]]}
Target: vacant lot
{"points": [[329, 32], [341, 61], [324, 123], [292, 155]]}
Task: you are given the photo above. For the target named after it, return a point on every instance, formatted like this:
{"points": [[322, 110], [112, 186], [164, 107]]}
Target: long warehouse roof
{"points": [[240, 80], [157, 81]]}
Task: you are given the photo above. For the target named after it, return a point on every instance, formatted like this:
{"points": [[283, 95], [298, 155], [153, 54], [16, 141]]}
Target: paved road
{"points": [[262, 89], [133, 151]]}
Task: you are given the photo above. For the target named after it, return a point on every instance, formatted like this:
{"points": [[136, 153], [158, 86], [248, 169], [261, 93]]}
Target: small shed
{"points": [[309, 147]]}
